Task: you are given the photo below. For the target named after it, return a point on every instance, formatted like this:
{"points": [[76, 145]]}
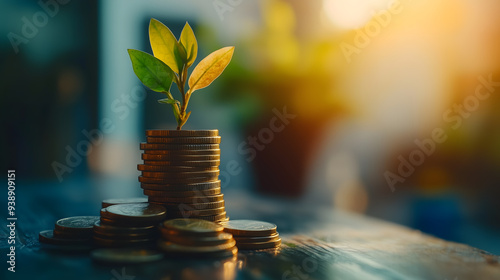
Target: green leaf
{"points": [[168, 101], [165, 46], [188, 41], [210, 68], [152, 72]]}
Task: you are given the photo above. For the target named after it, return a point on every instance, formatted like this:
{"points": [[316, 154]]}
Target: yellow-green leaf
{"points": [[210, 68], [164, 45], [188, 41], [152, 72]]}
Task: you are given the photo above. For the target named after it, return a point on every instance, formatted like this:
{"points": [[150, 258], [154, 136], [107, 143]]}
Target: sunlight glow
{"points": [[352, 14]]}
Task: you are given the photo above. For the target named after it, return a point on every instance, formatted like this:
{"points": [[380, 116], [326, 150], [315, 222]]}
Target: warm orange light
{"points": [[351, 14]]}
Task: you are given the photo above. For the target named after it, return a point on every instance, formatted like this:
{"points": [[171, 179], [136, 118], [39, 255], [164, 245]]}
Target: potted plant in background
{"points": [[181, 167]]}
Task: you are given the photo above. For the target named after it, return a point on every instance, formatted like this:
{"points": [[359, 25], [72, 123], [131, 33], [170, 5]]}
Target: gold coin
{"points": [[205, 163], [125, 256], [176, 248], [183, 140], [249, 228], [123, 243], [182, 133], [219, 239], [144, 213], [47, 236], [181, 175], [256, 239], [78, 226], [259, 246], [195, 227], [192, 207], [183, 193], [179, 158], [113, 201], [197, 213], [214, 218], [125, 236], [181, 187], [178, 147], [170, 168], [180, 181], [109, 230], [183, 152], [189, 200]]}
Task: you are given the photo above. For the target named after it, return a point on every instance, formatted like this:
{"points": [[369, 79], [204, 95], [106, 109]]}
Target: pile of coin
{"points": [[72, 233], [128, 225], [253, 235], [196, 238], [181, 172]]}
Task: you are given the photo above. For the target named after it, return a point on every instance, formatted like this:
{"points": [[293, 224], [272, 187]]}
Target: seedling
{"points": [[170, 64]]}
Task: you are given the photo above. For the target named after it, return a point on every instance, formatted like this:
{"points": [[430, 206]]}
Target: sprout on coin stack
{"points": [[181, 167]]}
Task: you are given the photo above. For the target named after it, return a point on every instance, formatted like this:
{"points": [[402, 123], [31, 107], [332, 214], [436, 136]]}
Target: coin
{"points": [[125, 256], [123, 243], [182, 133], [181, 187], [249, 228], [258, 246], [176, 181], [171, 247], [79, 226], [183, 193], [138, 212], [195, 227], [114, 201], [47, 237], [192, 207], [179, 157], [107, 229], [219, 239], [197, 213], [169, 147], [181, 175], [183, 152], [214, 218], [125, 236], [172, 168], [192, 200], [183, 140], [199, 163], [256, 239], [72, 235], [223, 220]]}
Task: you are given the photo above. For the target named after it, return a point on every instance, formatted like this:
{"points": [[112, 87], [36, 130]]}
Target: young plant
{"points": [[170, 64]]}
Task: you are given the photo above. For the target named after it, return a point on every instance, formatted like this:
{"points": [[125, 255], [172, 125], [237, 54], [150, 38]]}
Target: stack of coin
{"points": [[181, 172], [72, 233], [253, 235], [196, 238], [128, 225], [113, 201]]}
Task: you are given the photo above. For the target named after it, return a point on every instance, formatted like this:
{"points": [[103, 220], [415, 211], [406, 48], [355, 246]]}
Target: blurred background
{"points": [[384, 108]]}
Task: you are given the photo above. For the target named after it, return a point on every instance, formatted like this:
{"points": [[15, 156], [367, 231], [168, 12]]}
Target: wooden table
{"points": [[318, 243]]}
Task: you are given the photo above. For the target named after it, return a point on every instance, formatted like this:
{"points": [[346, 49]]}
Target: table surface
{"points": [[318, 243]]}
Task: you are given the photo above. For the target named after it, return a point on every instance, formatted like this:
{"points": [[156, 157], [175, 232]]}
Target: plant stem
{"points": [[181, 85]]}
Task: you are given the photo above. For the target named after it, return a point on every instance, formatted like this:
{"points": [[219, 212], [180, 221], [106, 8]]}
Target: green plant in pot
{"points": [[170, 62]]}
